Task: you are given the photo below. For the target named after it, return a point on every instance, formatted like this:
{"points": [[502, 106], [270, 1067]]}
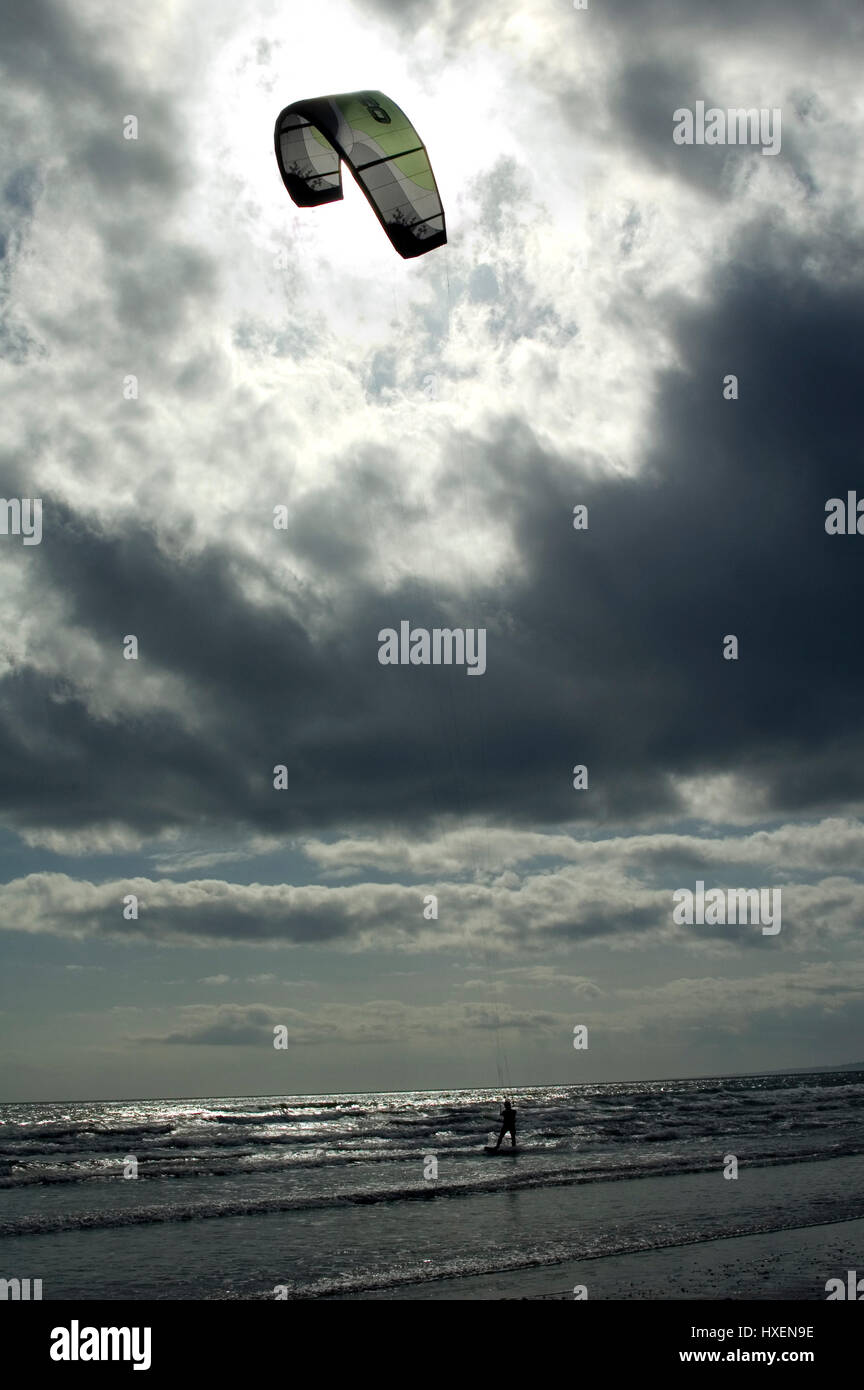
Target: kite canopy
{"points": [[384, 153]]}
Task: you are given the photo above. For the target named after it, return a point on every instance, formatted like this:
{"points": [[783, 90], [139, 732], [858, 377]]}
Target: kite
{"points": [[384, 153]]}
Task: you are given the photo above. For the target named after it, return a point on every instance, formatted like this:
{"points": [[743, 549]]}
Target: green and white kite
{"points": [[384, 153]]}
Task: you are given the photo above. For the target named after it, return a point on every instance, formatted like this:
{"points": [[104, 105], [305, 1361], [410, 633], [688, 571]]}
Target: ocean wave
{"points": [[12, 1139], [347, 1285], [171, 1212]]}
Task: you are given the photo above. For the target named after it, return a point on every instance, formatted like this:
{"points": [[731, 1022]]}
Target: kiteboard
{"points": [[501, 1153]]}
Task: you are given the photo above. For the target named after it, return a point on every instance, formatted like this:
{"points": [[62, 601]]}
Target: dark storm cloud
{"points": [[643, 100], [121, 188], [45, 48], [724, 533], [22, 188], [830, 23], [20, 195], [48, 48], [833, 21], [604, 646], [605, 650]]}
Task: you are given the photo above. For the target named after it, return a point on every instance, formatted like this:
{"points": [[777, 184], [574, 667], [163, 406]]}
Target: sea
{"points": [[391, 1194]]}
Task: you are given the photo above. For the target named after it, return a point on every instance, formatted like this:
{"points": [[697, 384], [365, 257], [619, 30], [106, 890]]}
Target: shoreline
{"points": [[790, 1265]]}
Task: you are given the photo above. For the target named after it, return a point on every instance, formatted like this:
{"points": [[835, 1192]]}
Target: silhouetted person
{"points": [[508, 1124]]}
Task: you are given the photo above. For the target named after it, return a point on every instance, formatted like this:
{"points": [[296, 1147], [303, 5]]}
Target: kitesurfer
{"points": [[508, 1123]]}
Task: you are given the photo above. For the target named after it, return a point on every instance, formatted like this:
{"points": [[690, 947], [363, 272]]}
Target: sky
{"points": [[426, 428]]}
